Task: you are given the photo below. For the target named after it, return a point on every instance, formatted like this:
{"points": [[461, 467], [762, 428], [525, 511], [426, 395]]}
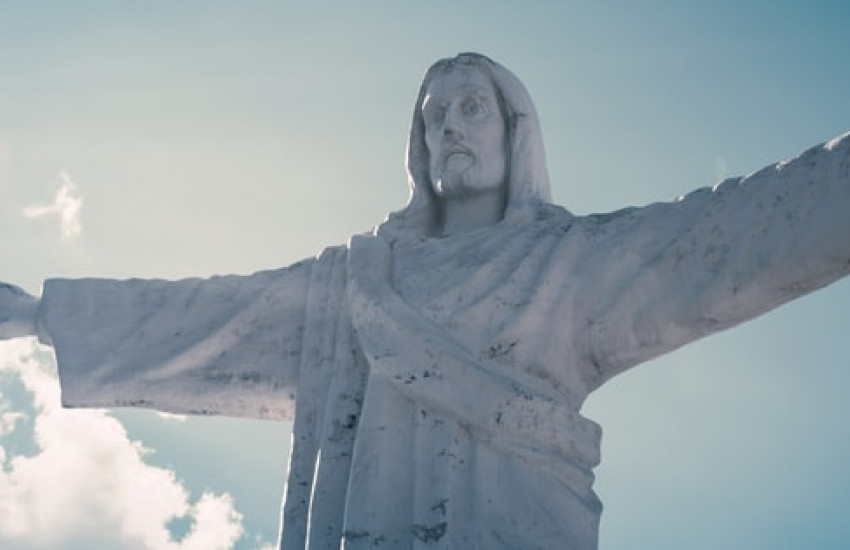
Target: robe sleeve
{"points": [[664, 275], [225, 345]]}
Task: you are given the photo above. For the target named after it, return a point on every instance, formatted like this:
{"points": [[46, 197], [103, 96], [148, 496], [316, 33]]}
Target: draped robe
{"points": [[435, 383]]}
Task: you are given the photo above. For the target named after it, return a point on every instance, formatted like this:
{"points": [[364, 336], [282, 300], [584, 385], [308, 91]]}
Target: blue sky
{"points": [[220, 137]]}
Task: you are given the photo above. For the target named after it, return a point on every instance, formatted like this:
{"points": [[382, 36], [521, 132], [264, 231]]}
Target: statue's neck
{"points": [[461, 214]]}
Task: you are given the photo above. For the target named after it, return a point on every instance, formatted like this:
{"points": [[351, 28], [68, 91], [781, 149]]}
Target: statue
{"points": [[435, 368]]}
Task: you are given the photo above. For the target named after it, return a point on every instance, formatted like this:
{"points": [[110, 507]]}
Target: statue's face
{"points": [[465, 134]]}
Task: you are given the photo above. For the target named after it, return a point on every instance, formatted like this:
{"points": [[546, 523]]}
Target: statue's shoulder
{"points": [[609, 219], [552, 216], [601, 225]]}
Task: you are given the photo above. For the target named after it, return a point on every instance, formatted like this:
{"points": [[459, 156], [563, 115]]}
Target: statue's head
{"points": [[465, 133], [474, 130]]}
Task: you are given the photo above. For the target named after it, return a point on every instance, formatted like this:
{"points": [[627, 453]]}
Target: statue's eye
{"points": [[471, 107]]}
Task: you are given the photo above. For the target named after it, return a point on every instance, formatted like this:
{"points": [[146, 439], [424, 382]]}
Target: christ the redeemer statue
{"points": [[435, 368]]}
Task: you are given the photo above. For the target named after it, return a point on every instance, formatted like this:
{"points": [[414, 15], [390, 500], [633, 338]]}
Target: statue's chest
{"points": [[458, 284], [430, 276]]}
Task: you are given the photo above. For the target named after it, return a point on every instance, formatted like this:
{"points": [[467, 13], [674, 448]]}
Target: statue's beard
{"points": [[454, 175]]}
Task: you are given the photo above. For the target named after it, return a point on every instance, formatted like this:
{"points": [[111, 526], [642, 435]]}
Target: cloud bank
{"points": [[87, 486]]}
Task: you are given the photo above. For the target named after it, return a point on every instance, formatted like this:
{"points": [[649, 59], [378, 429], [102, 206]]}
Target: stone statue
{"points": [[435, 368]]}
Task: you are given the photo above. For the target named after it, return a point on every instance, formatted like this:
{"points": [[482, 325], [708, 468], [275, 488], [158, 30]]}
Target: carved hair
{"points": [[528, 180]]}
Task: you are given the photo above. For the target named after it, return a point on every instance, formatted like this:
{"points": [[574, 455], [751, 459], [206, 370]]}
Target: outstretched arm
{"points": [[224, 345], [17, 312], [669, 273]]}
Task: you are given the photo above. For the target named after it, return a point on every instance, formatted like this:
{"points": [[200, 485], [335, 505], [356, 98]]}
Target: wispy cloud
{"points": [[66, 206], [88, 485], [171, 417]]}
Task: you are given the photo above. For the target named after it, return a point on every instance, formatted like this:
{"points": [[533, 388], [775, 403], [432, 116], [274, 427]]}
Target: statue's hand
{"points": [[17, 312]]}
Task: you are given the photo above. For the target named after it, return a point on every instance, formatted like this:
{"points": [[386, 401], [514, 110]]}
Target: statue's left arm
{"points": [[661, 276]]}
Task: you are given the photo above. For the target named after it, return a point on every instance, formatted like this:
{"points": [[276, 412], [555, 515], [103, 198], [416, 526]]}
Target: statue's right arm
{"points": [[18, 311], [222, 345]]}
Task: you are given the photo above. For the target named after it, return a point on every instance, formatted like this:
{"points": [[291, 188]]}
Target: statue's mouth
{"points": [[458, 161], [455, 156], [456, 153]]}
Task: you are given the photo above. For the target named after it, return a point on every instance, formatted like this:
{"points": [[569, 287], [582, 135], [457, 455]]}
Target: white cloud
{"points": [[88, 485], [217, 524], [171, 417], [66, 205]]}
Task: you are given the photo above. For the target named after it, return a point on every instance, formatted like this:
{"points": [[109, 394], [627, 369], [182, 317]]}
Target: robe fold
{"points": [[435, 384]]}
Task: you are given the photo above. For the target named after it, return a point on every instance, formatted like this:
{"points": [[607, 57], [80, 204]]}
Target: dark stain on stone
{"points": [[429, 534]]}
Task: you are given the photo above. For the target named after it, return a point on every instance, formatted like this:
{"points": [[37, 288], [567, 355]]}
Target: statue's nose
{"points": [[452, 134], [452, 127]]}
